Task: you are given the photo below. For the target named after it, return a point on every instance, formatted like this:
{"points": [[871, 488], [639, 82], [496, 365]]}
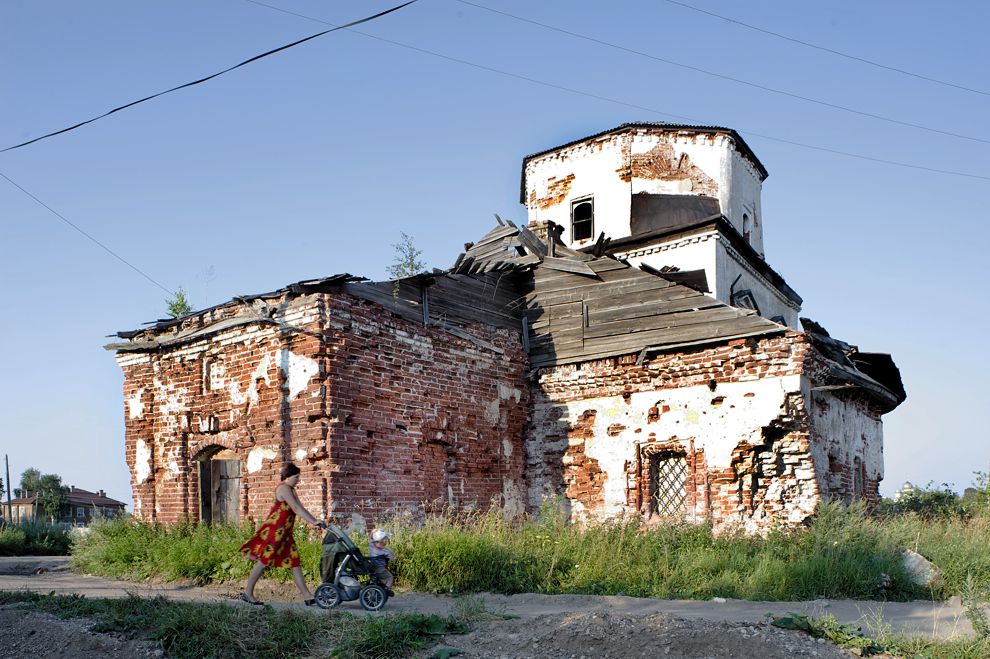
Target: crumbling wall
{"points": [[379, 412], [249, 390], [848, 445], [421, 417], [734, 414]]}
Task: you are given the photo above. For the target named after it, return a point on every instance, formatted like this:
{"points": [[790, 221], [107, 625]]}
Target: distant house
{"points": [[80, 508]]}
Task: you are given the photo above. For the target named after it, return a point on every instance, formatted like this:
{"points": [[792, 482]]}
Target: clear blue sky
{"points": [[311, 162]]}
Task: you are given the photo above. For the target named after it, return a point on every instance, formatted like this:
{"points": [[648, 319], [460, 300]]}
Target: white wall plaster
{"points": [[842, 430], [492, 412], [142, 462], [300, 453], [135, 406], [257, 456], [506, 392], [716, 428], [298, 370]]}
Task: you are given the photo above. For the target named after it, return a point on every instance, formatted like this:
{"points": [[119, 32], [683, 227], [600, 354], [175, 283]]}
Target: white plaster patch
{"points": [[505, 392], [492, 413], [744, 408], [512, 499], [298, 371], [257, 456], [135, 406], [300, 453], [142, 461], [260, 373], [507, 447], [237, 397]]}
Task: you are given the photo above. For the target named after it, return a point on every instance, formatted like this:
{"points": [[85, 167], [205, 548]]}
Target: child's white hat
{"points": [[380, 534]]}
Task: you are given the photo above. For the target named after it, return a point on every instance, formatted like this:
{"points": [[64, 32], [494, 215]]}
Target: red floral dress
{"points": [[272, 543]]}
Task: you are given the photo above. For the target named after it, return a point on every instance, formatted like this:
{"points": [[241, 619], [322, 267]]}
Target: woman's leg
{"points": [[256, 571], [300, 580]]}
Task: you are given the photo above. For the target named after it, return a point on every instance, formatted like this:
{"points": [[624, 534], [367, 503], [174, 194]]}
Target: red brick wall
{"points": [[390, 415], [422, 417]]}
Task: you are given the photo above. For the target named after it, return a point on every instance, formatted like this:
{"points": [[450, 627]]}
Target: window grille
{"points": [[668, 476]]}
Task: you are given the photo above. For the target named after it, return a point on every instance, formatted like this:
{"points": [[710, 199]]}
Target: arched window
{"points": [[747, 227], [582, 218]]}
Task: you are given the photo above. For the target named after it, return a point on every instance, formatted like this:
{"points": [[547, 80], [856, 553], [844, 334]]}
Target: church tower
{"points": [[668, 196]]}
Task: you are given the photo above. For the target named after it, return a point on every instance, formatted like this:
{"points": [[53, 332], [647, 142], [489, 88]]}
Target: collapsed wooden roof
{"points": [[570, 306]]}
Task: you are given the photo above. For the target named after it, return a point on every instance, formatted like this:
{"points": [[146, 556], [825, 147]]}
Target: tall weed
{"points": [[33, 538]]}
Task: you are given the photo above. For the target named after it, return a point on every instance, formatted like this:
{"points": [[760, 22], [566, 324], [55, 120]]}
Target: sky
{"points": [[312, 161]]}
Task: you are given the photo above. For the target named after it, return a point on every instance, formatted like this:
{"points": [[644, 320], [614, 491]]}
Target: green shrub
{"points": [[201, 553], [33, 538]]}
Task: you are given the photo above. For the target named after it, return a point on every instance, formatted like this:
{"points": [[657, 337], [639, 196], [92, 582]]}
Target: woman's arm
{"points": [[287, 494]]}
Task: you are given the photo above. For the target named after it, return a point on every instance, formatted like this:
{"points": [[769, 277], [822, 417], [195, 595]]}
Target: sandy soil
{"points": [[586, 635], [29, 634]]}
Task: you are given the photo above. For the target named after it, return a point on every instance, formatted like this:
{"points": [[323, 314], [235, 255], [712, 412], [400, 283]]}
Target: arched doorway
{"points": [[219, 486]]}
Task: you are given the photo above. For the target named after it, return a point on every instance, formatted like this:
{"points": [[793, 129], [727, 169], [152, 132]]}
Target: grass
{"points": [[134, 550], [844, 553], [886, 643], [33, 538], [220, 631]]}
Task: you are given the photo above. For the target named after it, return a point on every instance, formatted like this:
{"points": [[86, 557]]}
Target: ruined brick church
{"points": [[628, 350]]}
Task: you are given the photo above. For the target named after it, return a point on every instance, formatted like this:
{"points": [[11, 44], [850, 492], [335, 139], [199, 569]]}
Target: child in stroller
{"points": [[347, 575]]}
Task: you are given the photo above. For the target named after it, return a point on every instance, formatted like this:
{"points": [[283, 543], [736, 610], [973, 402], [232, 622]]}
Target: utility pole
{"points": [[10, 510]]}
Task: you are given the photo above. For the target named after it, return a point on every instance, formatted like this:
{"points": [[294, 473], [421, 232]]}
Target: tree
{"points": [[178, 305], [48, 487], [406, 262], [51, 495], [30, 480]]}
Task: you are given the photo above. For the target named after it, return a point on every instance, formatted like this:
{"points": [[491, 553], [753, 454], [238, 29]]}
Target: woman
{"points": [[272, 544]]}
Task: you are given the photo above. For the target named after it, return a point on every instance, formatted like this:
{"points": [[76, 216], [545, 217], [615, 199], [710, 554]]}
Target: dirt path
{"points": [[544, 625]]}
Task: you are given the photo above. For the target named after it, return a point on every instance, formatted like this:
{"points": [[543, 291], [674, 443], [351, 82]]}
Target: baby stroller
{"points": [[346, 574]]}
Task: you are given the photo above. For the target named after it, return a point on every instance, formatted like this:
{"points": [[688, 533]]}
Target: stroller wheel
{"points": [[327, 596], [373, 597]]}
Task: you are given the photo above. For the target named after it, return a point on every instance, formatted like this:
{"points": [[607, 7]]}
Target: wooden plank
{"points": [[609, 314], [532, 242], [604, 265], [569, 265], [699, 319]]}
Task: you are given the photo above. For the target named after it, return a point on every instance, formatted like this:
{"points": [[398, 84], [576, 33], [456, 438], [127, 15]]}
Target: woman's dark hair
{"points": [[289, 470]]}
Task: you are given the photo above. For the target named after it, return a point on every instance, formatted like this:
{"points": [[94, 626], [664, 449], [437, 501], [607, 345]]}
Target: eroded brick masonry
{"points": [[662, 372]]}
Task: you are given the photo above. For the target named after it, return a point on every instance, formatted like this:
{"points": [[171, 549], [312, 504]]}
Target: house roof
{"points": [[77, 497], [637, 125], [80, 497]]}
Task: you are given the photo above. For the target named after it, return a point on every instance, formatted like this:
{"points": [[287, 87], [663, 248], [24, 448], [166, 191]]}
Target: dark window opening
{"points": [[668, 477], [857, 478], [744, 299], [746, 227], [582, 219]]}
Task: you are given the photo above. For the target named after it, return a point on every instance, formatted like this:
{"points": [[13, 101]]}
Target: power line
{"points": [[210, 77], [721, 76], [634, 106], [829, 50], [80, 230]]}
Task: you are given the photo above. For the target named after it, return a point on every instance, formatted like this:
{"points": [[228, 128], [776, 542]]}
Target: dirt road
{"points": [[564, 625]]}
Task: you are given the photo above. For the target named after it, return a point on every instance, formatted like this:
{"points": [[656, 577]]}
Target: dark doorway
{"points": [[220, 488]]}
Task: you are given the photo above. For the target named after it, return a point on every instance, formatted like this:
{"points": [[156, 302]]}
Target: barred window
{"points": [[668, 477]]}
